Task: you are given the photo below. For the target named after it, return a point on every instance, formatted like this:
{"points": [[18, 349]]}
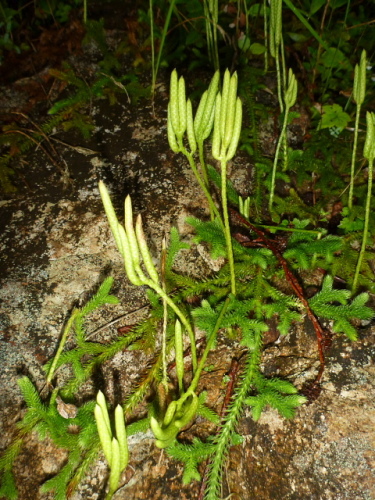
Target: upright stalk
{"points": [[181, 317], [227, 130], [275, 42], [365, 229], [359, 92], [228, 236], [354, 154], [209, 345], [213, 208], [369, 154], [290, 98], [63, 340]]}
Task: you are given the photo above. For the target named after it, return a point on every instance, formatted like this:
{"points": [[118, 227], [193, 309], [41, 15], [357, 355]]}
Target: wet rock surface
{"points": [[56, 249]]}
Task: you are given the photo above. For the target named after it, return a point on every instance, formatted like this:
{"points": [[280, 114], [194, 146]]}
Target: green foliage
{"points": [[105, 85], [334, 117], [206, 412], [303, 249], [175, 245], [215, 177], [264, 265], [45, 416], [210, 232], [191, 455], [334, 304], [277, 393]]}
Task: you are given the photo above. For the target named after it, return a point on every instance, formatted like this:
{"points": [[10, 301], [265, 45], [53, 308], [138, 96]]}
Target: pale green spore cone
{"points": [[121, 237], [369, 147], [146, 256], [170, 413], [173, 144], [180, 117], [130, 233], [190, 127], [216, 139], [121, 437], [178, 415], [189, 411], [115, 473], [291, 92], [110, 212], [199, 114], [236, 132], [228, 120], [164, 433], [178, 109], [204, 116], [359, 93], [128, 258], [224, 104], [173, 101], [101, 402], [359, 87], [104, 428], [181, 108], [230, 111]]}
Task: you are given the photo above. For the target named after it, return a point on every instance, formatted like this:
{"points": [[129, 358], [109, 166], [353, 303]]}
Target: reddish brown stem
{"points": [[266, 242]]}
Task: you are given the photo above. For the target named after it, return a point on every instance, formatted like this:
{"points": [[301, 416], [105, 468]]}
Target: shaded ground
{"points": [[56, 248]]}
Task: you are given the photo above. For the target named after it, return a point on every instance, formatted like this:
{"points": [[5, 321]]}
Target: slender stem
{"points": [[181, 316], [265, 36], [62, 344], [203, 163], [214, 15], [283, 65], [280, 141], [210, 342], [228, 237], [290, 229], [354, 153], [285, 151], [165, 318], [212, 206], [152, 46], [208, 29], [365, 229], [279, 84]]}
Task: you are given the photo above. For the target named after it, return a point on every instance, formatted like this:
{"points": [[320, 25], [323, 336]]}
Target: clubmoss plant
{"points": [[290, 97], [237, 300], [227, 130], [276, 45], [359, 93], [180, 120], [133, 247], [369, 154], [115, 448]]}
